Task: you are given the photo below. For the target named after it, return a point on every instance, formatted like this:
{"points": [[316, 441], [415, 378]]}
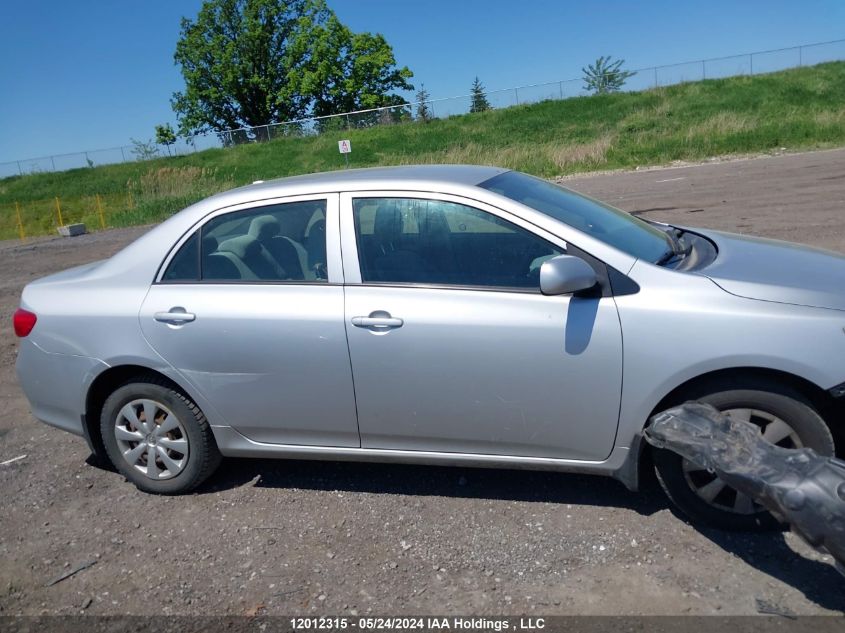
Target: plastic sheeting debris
{"points": [[797, 486]]}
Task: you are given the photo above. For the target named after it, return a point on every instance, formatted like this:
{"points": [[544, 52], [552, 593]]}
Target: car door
{"points": [[249, 310], [453, 347]]}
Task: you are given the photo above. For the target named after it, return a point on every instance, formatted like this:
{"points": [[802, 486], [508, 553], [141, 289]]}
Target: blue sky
{"points": [[84, 75]]}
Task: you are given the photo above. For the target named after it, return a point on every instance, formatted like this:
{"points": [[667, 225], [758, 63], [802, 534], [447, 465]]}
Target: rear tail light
{"points": [[24, 321]]}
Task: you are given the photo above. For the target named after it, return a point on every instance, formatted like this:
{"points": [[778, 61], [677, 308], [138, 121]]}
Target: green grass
{"points": [[797, 109]]}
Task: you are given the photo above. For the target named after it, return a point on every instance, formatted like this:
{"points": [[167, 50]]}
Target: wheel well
{"points": [[831, 409], [101, 389]]}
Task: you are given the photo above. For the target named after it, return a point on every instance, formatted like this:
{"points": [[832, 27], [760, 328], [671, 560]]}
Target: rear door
{"points": [[453, 347], [249, 310]]}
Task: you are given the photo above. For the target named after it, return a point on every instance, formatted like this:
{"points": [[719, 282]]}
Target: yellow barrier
{"points": [[20, 222], [100, 212], [59, 211]]}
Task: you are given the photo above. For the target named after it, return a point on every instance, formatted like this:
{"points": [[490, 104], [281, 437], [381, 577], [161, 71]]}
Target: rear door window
{"points": [[275, 243]]}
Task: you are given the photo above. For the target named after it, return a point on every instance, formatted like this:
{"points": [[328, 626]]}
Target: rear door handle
{"points": [[379, 320], [175, 316]]}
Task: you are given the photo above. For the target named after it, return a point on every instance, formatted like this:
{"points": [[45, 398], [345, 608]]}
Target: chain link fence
{"points": [[642, 79]]}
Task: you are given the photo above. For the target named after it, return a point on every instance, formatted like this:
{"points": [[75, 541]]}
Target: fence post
{"points": [[53, 162], [20, 222], [20, 171], [100, 212], [59, 211], [129, 201], [516, 94], [703, 69], [560, 85], [800, 56], [655, 76], [751, 63], [122, 155]]}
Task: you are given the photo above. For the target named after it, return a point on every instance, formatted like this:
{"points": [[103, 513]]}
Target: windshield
{"points": [[612, 226]]}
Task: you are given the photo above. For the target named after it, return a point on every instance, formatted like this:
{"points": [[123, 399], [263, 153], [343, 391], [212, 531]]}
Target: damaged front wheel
{"points": [[785, 418]]}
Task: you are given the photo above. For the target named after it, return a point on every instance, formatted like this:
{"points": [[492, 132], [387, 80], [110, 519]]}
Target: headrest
{"points": [[388, 221], [433, 222], [318, 228], [243, 246], [264, 227], [209, 245]]}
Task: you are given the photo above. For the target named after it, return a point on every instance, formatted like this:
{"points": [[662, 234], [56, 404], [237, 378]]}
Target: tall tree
{"points": [[247, 63], [479, 101], [423, 111], [352, 71], [605, 75]]}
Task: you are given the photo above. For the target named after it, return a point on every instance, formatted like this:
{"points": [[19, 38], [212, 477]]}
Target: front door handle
{"points": [[175, 316], [378, 321]]}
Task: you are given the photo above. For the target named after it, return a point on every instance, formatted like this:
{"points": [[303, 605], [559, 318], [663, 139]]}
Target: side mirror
{"points": [[566, 274]]}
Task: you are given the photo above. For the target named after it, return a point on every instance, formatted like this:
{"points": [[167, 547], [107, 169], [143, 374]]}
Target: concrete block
{"points": [[71, 230]]}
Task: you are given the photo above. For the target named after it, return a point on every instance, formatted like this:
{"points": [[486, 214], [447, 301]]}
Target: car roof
{"points": [[403, 177], [138, 257], [436, 178]]}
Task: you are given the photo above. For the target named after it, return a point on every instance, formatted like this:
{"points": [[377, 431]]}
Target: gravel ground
{"points": [[285, 537]]}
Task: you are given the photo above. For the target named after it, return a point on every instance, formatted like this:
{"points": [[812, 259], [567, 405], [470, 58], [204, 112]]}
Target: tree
{"points": [[144, 150], [604, 75], [165, 136], [479, 99], [247, 63], [353, 71], [423, 111]]}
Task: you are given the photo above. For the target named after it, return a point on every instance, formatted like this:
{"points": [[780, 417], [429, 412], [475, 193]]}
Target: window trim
{"points": [[333, 260], [349, 244]]}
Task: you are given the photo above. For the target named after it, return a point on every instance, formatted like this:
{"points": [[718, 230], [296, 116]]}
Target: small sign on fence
{"points": [[345, 148]]}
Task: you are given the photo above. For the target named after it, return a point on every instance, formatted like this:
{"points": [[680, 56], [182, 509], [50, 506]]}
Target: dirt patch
{"points": [[284, 537]]}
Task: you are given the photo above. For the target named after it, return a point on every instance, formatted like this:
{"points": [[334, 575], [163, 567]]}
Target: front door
{"points": [[250, 312], [453, 347]]}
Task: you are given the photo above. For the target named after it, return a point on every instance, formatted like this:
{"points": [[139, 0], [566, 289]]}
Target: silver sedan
{"points": [[444, 314]]}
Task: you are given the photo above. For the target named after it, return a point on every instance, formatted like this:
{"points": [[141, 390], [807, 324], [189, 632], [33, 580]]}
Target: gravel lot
{"points": [[286, 537]]}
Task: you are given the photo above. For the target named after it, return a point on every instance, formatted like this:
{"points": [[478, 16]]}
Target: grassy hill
{"points": [[802, 108]]}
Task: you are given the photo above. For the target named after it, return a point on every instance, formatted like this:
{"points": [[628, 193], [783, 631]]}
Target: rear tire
{"points": [[172, 454], [767, 400]]}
